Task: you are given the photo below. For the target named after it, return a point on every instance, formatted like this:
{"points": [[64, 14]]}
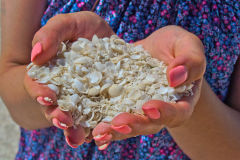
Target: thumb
{"points": [[62, 27], [189, 62]]}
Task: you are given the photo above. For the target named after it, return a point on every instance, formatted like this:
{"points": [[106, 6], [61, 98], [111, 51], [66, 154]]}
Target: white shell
{"points": [[115, 90], [78, 85], [94, 91], [83, 60], [54, 88], [94, 77]]}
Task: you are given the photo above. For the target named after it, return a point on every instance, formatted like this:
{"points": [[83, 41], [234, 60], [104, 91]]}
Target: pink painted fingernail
{"points": [[102, 147], [104, 137], [124, 129], [45, 101], [178, 75], [37, 49], [58, 124], [152, 112], [70, 144]]}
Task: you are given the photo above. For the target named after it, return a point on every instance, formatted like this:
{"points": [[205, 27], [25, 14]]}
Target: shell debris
{"points": [[99, 79]]}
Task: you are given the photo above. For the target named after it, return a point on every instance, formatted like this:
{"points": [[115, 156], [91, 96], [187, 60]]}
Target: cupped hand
{"points": [[183, 52], [45, 44]]}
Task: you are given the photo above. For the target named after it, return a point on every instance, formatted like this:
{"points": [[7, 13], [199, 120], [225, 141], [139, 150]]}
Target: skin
{"points": [[187, 129]]}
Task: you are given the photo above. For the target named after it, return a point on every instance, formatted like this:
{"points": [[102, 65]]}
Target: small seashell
{"points": [[84, 70], [78, 85], [119, 41], [107, 119], [115, 90], [135, 56], [95, 39], [86, 110], [105, 87], [95, 77], [83, 60], [64, 47], [76, 46], [29, 66], [74, 99], [54, 88], [99, 66], [93, 91]]}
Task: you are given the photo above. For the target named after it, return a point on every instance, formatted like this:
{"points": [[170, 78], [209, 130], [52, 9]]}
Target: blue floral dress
{"points": [[215, 22]]}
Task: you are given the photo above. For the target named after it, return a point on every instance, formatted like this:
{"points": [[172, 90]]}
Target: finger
{"points": [[46, 97], [189, 62], [74, 136], [132, 124], [102, 135], [171, 114], [59, 118], [123, 126], [47, 40], [41, 93]]}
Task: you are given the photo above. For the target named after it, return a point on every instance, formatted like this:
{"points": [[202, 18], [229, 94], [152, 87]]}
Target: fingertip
{"points": [[40, 92], [59, 124], [70, 143], [75, 136], [45, 101], [45, 45], [64, 118]]}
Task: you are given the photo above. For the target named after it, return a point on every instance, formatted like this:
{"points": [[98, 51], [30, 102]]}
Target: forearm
{"points": [[213, 131], [20, 19], [24, 110]]}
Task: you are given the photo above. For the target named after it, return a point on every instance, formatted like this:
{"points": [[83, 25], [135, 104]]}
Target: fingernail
{"points": [[105, 137], [45, 101], [152, 112], [37, 49], [124, 129], [70, 144], [102, 147], [178, 75], [58, 124]]}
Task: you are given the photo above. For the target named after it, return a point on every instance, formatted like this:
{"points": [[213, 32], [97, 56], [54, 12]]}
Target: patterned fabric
{"points": [[215, 22]]}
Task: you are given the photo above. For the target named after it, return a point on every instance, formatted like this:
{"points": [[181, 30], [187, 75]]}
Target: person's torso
{"points": [[215, 22]]}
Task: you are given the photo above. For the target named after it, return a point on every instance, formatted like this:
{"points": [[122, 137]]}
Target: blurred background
{"points": [[9, 131]]}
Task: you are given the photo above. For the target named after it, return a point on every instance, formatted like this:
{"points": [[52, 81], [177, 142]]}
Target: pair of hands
{"points": [[181, 50]]}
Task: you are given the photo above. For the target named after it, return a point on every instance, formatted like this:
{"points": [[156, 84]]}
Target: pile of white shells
{"points": [[96, 80]]}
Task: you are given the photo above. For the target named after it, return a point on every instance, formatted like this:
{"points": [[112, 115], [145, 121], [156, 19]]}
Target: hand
{"points": [[46, 43], [184, 54]]}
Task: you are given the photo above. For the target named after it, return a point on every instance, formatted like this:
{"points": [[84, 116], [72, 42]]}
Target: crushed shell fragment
{"points": [[99, 79]]}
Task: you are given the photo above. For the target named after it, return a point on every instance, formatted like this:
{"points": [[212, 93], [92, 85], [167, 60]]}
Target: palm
{"points": [[61, 28], [175, 47]]}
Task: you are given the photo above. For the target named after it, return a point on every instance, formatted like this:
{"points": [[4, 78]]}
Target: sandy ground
{"points": [[9, 131], [9, 135]]}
